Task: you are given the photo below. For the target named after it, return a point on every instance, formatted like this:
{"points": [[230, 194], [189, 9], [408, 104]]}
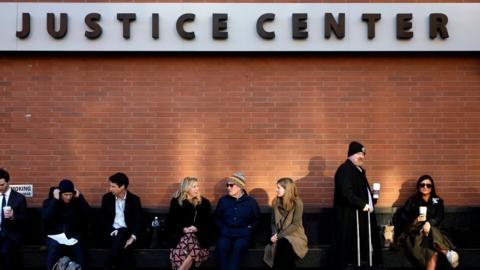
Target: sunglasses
{"points": [[229, 185], [425, 185]]}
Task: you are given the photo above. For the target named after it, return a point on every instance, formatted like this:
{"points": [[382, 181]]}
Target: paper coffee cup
{"points": [[423, 210], [376, 190]]}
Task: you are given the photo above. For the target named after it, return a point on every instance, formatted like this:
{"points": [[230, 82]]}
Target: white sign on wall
{"points": [[239, 27], [26, 190]]}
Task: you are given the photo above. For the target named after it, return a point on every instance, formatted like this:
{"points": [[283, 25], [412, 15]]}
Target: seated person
{"points": [[189, 226], [65, 211], [237, 215], [420, 231], [287, 226]]}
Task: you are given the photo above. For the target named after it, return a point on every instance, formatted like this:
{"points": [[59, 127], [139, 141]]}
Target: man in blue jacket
{"points": [[237, 216]]}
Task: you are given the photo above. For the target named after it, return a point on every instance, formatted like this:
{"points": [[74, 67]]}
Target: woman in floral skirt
{"points": [[189, 226]]}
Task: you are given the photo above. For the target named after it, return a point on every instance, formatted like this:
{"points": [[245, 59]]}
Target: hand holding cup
{"points": [[8, 212], [423, 213], [376, 191]]}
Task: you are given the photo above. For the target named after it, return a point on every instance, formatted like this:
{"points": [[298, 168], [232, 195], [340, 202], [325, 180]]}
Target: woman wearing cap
{"points": [[237, 216], [420, 233], [189, 225], [287, 227]]}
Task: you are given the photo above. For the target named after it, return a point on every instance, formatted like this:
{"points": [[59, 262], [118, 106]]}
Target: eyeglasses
{"points": [[425, 185], [230, 185]]}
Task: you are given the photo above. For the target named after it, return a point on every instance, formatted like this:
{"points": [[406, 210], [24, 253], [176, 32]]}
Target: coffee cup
{"points": [[7, 211], [376, 190], [423, 213]]}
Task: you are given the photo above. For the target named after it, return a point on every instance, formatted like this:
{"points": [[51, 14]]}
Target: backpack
{"points": [[65, 263]]}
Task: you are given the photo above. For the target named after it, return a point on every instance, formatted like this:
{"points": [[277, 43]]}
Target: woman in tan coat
{"points": [[287, 227]]}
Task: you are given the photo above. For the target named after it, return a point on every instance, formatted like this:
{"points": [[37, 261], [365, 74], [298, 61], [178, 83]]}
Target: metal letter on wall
{"points": [[299, 25], [338, 28], [371, 19], [219, 25], [62, 32], [404, 23], [91, 20], [126, 18], [25, 26], [438, 24], [267, 17], [188, 17]]}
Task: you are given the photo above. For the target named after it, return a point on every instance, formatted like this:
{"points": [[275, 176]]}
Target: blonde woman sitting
{"points": [[189, 225], [287, 226]]}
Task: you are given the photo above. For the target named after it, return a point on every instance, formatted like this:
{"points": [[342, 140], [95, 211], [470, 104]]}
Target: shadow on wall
{"points": [[261, 196], [219, 190], [405, 191], [315, 188], [174, 187]]}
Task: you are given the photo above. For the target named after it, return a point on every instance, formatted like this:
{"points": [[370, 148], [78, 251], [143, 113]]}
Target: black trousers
{"points": [[120, 257], [55, 251], [9, 255], [284, 255]]}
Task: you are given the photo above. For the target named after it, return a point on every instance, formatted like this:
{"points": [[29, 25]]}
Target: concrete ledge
{"points": [[317, 257]]}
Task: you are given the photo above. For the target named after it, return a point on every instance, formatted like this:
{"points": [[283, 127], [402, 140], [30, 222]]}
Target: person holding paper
{"points": [[12, 220], [122, 220], [352, 194], [65, 216], [419, 222]]}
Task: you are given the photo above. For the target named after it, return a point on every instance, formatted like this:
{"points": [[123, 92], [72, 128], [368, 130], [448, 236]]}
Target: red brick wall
{"points": [[160, 117]]}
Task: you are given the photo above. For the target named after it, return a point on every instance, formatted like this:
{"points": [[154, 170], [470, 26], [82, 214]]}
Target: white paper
{"points": [[62, 239]]}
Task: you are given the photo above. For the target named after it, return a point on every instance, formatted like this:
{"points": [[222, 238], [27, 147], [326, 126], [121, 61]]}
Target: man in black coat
{"points": [[122, 219], [65, 211], [352, 194], [13, 218]]}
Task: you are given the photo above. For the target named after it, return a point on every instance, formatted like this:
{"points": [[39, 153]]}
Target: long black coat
{"points": [[350, 195], [186, 215]]}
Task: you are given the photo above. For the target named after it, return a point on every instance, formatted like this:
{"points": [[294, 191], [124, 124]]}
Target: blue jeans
{"points": [[229, 251]]}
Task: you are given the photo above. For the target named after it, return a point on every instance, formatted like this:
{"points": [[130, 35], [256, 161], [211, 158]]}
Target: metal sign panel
{"points": [[212, 20], [26, 190]]}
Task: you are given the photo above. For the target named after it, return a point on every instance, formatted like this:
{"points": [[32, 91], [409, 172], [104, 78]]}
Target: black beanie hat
{"points": [[355, 147], [66, 186]]}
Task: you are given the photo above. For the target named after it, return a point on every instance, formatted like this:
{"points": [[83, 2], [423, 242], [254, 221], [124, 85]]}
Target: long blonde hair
{"points": [[290, 196], [181, 193]]}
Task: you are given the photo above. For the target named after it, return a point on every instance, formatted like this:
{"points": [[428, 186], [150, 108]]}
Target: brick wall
{"points": [[160, 117]]}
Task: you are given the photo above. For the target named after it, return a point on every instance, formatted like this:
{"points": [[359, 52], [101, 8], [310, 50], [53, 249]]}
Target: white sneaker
{"points": [[452, 257]]}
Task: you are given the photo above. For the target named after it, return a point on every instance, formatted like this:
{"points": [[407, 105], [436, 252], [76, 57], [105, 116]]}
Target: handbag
{"points": [[269, 254], [65, 263]]}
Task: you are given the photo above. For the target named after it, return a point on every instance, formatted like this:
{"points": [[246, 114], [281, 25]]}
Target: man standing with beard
{"points": [[352, 194]]}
